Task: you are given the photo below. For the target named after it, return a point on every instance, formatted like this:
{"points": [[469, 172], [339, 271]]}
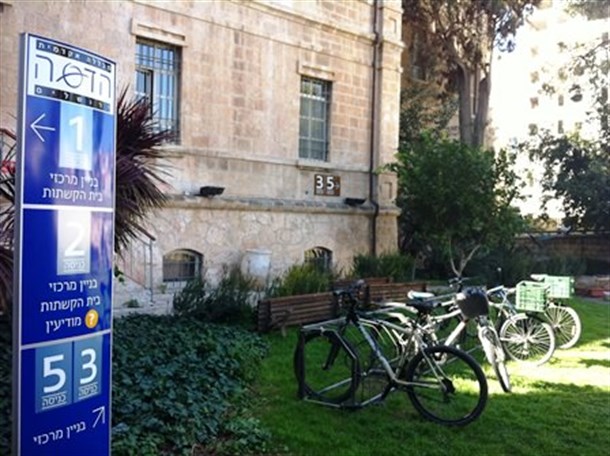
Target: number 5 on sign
{"points": [[53, 376]]}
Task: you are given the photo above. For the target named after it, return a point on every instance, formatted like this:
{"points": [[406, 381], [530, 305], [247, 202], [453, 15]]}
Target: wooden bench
{"points": [[393, 291], [285, 311], [295, 310]]}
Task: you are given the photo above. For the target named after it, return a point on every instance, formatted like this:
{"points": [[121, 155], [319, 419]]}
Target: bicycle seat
{"points": [[424, 306], [419, 295], [538, 277]]}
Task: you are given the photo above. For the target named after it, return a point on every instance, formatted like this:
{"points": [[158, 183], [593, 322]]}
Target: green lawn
{"points": [[560, 408]]}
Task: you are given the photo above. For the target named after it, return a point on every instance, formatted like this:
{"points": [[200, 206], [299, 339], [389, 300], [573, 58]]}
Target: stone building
{"points": [[289, 107]]}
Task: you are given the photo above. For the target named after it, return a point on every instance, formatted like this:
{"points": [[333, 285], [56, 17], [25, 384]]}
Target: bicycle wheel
{"points": [[326, 367], [492, 347], [566, 325], [527, 339], [452, 392]]}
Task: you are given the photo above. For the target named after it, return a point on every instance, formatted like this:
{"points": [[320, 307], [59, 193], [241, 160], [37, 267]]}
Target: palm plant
{"points": [[140, 171], [7, 219], [140, 175]]}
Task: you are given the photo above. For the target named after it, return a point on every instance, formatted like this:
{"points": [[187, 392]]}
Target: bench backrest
{"points": [[296, 310]]}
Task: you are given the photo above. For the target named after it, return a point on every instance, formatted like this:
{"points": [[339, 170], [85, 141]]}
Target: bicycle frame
{"points": [[410, 336]]}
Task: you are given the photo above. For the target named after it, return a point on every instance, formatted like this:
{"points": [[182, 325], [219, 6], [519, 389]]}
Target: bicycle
{"points": [[469, 305], [563, 319], [526, 337], [334, 360]]}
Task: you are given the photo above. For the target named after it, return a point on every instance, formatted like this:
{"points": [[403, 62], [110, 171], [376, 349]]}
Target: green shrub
{"points": [[399, 267], [510, 266], [560, 265], [301, 279], [179, 382], [227, 303]]}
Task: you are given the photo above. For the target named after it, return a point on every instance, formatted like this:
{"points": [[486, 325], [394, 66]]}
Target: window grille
{"points": [[157, 80], [320, 257], [182, 265], [314, 119]]}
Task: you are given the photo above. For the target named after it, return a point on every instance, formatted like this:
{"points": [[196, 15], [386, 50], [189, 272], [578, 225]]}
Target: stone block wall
{"points": [[242, 63]]}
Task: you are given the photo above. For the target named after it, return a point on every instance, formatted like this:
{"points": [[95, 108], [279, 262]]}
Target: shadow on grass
{"points": [[539, 418], [596, 362]]}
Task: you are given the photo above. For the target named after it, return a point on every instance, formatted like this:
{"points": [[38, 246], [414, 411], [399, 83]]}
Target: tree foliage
{"points": [[455, 199], [577, 164], [459, 36], [577, 171]]}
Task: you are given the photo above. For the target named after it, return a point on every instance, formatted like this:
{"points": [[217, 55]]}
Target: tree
{"points": [[455, 199], [577, 171], [460, 35], [577, 164], [140, 174]]}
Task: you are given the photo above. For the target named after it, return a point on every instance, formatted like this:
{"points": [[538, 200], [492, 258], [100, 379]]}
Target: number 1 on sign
{"points": [[77, 122], [76, 137]]}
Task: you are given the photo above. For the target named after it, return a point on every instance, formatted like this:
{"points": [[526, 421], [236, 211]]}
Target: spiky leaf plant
{"points": [[140, 171], [140, 175]]}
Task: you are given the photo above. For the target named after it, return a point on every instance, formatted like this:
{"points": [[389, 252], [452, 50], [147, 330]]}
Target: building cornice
{"points": [[253, 204]]}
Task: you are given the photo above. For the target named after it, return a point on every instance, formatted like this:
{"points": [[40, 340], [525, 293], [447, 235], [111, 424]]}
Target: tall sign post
{"points": [[64, 235]]}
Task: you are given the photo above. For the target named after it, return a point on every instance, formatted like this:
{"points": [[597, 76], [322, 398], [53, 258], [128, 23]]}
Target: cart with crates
{"points": [[550, 294]]}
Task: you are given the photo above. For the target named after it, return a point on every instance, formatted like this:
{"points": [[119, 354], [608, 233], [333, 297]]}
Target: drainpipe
{"points": [[376, 66]]}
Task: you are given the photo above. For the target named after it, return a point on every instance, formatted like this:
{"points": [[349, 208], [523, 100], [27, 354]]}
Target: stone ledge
{"points": [[274, 204]]}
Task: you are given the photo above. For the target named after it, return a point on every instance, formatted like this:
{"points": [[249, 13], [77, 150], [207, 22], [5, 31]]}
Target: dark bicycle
{"points": [[336, 359]]}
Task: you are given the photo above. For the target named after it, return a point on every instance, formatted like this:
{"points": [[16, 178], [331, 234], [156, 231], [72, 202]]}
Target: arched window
{"points": [[320, 257], [182, 265]]}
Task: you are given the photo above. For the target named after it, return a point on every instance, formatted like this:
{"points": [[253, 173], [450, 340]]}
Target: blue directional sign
{"points": [[64, 245]]}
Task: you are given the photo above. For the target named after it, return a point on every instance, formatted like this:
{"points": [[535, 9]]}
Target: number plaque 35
{"points": [[327, 185]]}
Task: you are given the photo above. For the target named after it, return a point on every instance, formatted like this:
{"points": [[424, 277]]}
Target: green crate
{"points": [[531, 296], [559, 287]]}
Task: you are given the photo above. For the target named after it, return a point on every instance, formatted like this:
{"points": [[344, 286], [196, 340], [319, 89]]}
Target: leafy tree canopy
{"points": [[459, 36], [577, 164], [455, 198]]}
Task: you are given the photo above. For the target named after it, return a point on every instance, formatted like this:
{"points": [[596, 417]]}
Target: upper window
{"points": [[182, 265], [157, 79], [315, 119]]}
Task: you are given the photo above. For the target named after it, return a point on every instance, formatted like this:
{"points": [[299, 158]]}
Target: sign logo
{"points": [[73, 75]]}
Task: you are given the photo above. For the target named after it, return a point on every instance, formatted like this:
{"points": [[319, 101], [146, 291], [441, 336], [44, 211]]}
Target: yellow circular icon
{"points": [[91, 319]]}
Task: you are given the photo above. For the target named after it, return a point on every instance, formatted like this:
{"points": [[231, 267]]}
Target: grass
{"points": [[560, 408]]}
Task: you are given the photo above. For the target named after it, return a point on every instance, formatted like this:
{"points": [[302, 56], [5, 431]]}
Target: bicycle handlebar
{"points": [[351, 289], [499, 290]]}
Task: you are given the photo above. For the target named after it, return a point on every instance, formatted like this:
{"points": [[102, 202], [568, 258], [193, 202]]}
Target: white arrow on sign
{"points": [[101, 414], [35, 127]]}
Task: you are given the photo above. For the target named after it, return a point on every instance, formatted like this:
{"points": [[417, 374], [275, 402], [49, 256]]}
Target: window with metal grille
{"points": [[157, 79], [182, 265], [320, 257], [314, 119]]}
